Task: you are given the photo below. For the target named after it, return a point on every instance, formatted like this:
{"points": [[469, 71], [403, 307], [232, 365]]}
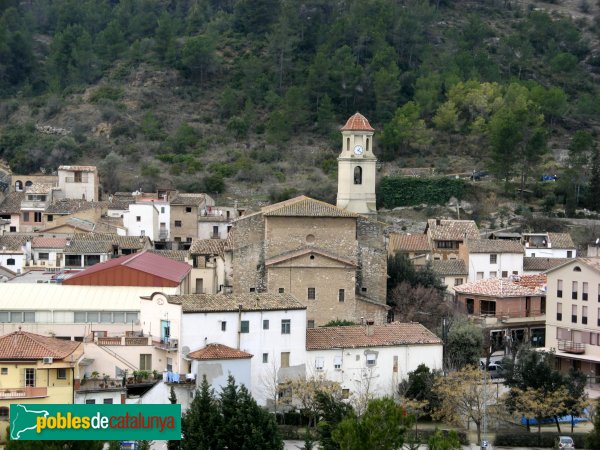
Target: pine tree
{"points": [[200, 423], [594, 190], [173, 445]]}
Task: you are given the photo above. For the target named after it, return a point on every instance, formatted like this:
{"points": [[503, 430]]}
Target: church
{"points": [[332, 258]]}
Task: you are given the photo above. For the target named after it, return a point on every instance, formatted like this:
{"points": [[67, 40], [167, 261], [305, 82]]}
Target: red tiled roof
{"points": [[147, 262], [408, 243], [534, 263], [452, 230], [303, 206], [493, 246], [390, 334], [218, 351], [48, 242], [23, 345], [497, 287], [532, 281], [357, 122], [561, 240]]}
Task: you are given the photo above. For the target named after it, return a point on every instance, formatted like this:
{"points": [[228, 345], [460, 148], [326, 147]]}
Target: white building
{"points": [[216, 362], [492, 258], [549, 245], [573, 315], [272, 327], [14, 252], [79, 182], [142, 219], [371, 360]]}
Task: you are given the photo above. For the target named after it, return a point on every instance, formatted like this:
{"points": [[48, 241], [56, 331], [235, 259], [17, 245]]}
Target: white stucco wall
{"points": [[380, 379], [218, 371], [148, 224], [480, 262], [19, 261], [199, 329], [99, 396], [539, 252]]}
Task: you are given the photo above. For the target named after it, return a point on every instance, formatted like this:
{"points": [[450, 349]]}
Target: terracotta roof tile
{"points": [[70, 206], [497, 287], [561, 240], [189, 199], [450, 267], [531, 281], [531, 264], [24, 345], [218, 351], [452, 230], [494, 246], [230, 302], [357, 122], [13, 242], [177, 255], [48, 242], [12, 203], [82, 246], [78, 168], [38, 188], [303, 206], [391, 334], [207, 247], [408, 243]]}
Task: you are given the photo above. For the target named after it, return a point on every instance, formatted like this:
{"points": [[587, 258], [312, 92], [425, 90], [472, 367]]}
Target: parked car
{"points": [[565, 442], [496, 370]]}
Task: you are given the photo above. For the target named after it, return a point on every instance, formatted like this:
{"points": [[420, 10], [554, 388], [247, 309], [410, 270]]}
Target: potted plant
{"points": [[95, 376]]}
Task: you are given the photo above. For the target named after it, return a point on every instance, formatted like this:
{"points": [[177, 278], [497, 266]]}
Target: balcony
{"points": [[34, 205], [77, 179], [571, 347], [169, 345], [163, 235], [123, 340], [25, 392]]}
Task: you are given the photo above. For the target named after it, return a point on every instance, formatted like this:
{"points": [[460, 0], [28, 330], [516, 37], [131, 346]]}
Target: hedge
{"points": [[409, 191], [548, 440], [425, 433]]}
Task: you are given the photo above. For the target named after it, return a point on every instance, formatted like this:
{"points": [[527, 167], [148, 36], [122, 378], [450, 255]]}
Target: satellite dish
{"points": [[185, 350]]}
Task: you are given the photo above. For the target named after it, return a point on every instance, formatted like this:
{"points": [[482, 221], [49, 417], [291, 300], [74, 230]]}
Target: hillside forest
{"points": [[245, 97]]}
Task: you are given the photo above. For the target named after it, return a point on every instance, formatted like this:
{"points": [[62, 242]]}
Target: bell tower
{"points": [[356, 167]]}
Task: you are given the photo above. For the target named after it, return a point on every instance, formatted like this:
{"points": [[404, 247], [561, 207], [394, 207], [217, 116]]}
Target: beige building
{"points": [[573, 319], [185, 212], [357, 167], [414, 246], [334, 261], [79, 182], [445, 236]]}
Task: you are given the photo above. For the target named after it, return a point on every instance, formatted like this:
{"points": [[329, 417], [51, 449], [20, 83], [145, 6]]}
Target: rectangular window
{"points": [[337, 362], [118, 317], [480, 275], [29, 316], [569, 253], [559, 311], [90, 401], [265, 358], [80, 317], [493, 274], [37, 217], [30, 377], [584, 314], [341, 295], [4, 371], [188, 209], [470, 306], [574, 290], [252, 289], [90, 260], [505, 274], [162, 209], [281, 290], [286, 326], [493, 259], [488, 307], [25, 217], [371, 359], [310, 324], [265, 324], [458, 281], [285, 359], [43, 256], [311, 293], [131, 317], [178, 223], [584, 290], [245, 326], [93, 317], [61, 374], [4, 317], [106, 317], [223, 326], [559, 288], [145, 361], [50, 218], [574, 313], [319, 363], [107, 401], [138, 218], [16, 317], [345, 394]]}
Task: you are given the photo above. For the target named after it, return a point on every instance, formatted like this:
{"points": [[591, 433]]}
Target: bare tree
{"points": [[425, 305]]}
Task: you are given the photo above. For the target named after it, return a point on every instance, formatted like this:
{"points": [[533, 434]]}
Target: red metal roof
{"points": [[357, 122], [146, 262]]}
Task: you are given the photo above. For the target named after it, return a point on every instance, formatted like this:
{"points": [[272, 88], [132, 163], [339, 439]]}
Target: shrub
{"points": [[405, 191], [106, 92], [548, 440]]}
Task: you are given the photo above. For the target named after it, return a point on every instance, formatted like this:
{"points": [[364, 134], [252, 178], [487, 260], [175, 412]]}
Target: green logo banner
{"points": [[33, 422]]}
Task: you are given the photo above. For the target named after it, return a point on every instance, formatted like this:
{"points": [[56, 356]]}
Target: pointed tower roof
{"points": [[357, 122]]}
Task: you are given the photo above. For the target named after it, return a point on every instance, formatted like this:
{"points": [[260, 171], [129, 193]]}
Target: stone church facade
{"points": [[332, 259]]}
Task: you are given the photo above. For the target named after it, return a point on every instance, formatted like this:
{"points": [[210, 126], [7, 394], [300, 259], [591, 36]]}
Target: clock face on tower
{"points": [[358, 150]]}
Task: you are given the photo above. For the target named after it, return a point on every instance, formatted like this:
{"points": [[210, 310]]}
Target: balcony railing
{"points": [[25, 392], [167, 344], [123, 340], [76, 180], [34, 205], [571, 347]]}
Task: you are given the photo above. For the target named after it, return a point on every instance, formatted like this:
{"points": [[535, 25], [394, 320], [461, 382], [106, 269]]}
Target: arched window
{"points": [[348, 144], [18, 185], [28, 183], [358, 175], [368, 142], [577, 269]]}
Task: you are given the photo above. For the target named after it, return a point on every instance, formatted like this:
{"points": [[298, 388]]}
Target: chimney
{"points": [[370, 327]]}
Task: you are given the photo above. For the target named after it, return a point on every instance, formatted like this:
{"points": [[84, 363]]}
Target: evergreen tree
{"points": [[202, 421], [594, 189], [331, 412], [173, 445]]}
